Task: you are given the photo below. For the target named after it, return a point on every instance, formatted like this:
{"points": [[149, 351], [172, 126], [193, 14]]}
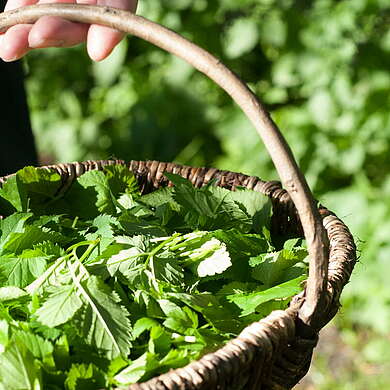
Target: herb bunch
{"points": [[103, 287]]}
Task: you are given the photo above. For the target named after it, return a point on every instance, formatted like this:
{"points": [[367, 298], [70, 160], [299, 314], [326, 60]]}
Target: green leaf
{"points": [[178, 318], [18, 369], [257, 205], [108, 185], [166, 269], [121, 180], [98, 181], [210, 258], [137, 369], [84, 376], [15, 195], [60, 306], [105, 225], [209, 207], [249, 302], [271, 268], [105, 323], [11, 293], [23, 269], [143, 324], [31, 235], [12, 224], [41, 185], [40, 348]]}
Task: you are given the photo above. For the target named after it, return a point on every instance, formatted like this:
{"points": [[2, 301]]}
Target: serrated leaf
{"points": [[105, 322], [104, 225], [18, 369], [167, 269], [38, 346], [143, 324], [249, 302], [60, 306], [23, 269], [98, 181], [137, 369], [12, 224], [271, 268], [31, 235], [209, 207], [84, 376], [14, 194], [10, 293]]}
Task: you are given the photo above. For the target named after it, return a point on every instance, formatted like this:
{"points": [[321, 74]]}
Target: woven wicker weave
{"points": [[274, 353]]}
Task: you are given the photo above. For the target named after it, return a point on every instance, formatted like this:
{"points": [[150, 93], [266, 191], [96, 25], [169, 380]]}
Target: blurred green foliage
{"points": [[320, 66]]}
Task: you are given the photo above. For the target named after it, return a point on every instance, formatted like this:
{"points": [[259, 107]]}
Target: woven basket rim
{"points": [[271, 336]]}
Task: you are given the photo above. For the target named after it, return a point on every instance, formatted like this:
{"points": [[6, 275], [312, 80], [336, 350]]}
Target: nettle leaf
{"points": [[257, 205], [105, 322], [108, 185], [167, 269], [11, 293], [248, 302], [23, 269], [18, 369], [137, 369], [240, 244], [31, 235], [105, 225], [38, 346], [121, 180], [105, 201], [274, 268], [49, 249], [223, 317], [208, 207], [85, 376], [142, 325], [41, 185], [61, 305], [179, 318], [14, 196], [134, 225], [160, 197], [12, 224], [127, 262]]}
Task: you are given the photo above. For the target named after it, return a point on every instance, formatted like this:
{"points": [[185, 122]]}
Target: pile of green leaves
{"points": [[103, 287]]}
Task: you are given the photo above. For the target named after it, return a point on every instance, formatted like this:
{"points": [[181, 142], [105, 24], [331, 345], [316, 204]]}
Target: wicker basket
{"points": [[274, 353]]}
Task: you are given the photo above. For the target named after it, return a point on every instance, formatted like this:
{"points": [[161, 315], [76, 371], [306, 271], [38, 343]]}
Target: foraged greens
{"points": [[103, 287]]}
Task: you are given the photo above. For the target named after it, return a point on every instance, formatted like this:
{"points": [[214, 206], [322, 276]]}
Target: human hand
{"points": [[52, 31]]}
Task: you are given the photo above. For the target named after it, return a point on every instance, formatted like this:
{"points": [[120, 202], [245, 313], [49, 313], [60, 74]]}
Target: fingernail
{"points": [[10, 59]]}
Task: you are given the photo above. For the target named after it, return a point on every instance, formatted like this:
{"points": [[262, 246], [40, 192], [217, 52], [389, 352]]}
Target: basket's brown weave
{"points": [[274, 353]]}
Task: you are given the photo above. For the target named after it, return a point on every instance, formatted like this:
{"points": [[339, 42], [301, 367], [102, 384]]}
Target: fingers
{"points": [[52, 31], [101, 40], [13, 4], [14, 43]]}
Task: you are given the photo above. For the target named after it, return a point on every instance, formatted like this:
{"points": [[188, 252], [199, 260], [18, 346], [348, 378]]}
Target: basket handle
{"points": [[290, 175]]}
